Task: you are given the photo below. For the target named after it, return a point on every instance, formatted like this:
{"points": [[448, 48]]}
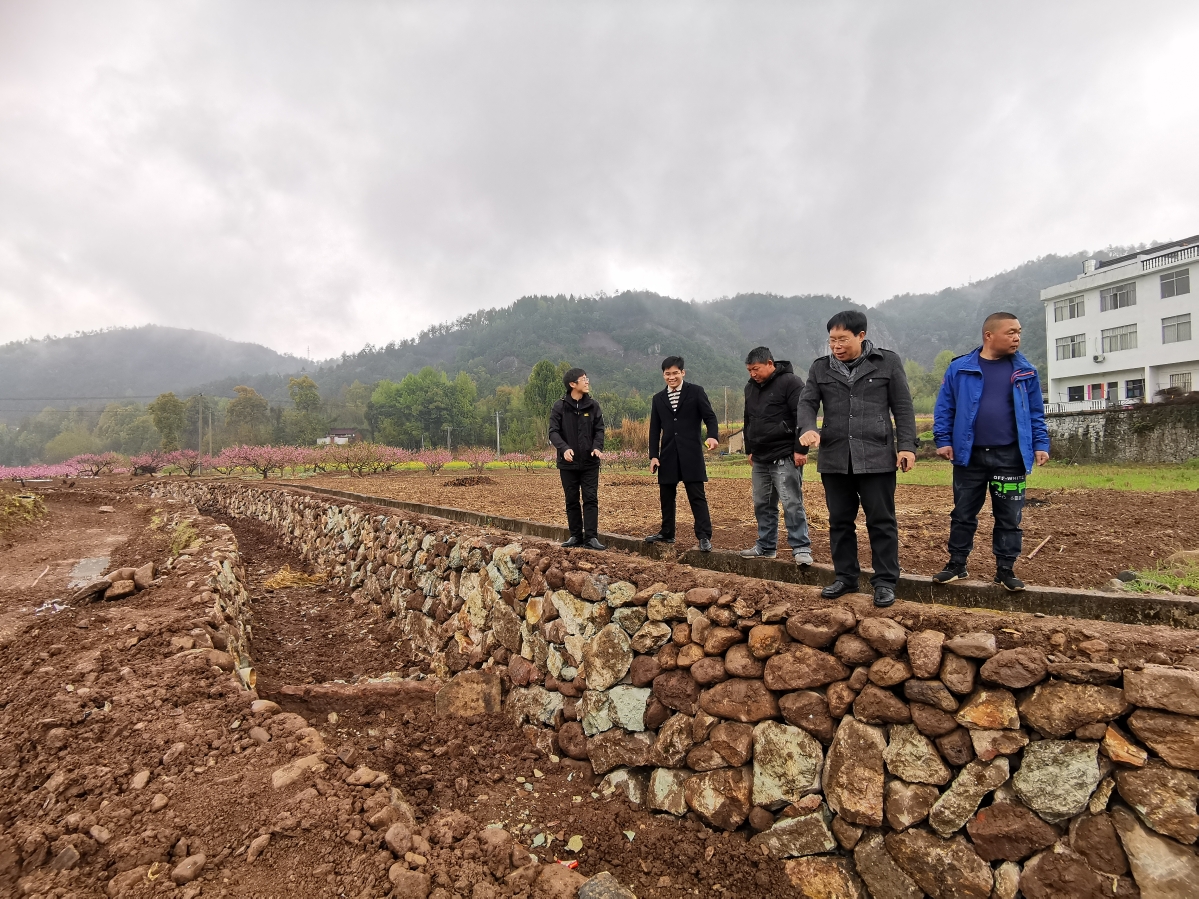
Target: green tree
{"points": [[73, 442], [423, 403], [543, 389], [168, 412], [248, 416], [305, 395], [940, 364]]}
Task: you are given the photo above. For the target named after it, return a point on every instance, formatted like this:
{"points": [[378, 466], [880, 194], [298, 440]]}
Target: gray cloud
{"points": [[324, 175]]}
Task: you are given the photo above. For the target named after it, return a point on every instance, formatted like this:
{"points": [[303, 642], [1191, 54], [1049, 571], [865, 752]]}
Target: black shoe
{"points": [[954, 571], [659, 538], [838, 588], [705, 545], [1007, 578], [593, 543], [574, 540], [883, 597]]}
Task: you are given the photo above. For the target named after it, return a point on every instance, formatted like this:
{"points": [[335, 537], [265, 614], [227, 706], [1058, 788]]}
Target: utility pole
{"points": [[209, 432], [497, 433], [200, 438], [448, 430], [726, 409]]}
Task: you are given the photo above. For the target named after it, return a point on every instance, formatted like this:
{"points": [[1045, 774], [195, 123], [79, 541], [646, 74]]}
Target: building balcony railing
{"points": [[1191, 252], [1091, 405]]}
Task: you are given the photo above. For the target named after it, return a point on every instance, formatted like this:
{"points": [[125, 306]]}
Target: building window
{"points": [[1118, 297], [1182, 381], [1121, 338], [1074, 307], [1176, 328], [1134, 389], [1175, 284], [1072, 347], [1076, 394]]}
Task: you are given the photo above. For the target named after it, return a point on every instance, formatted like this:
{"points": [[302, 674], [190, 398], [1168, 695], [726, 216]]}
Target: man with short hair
{"points": [[989, 421], [861, 388], [676, 453], [776, 455], [577, 432]]}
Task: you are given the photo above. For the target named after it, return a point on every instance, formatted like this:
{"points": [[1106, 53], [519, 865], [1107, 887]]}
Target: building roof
{"points": [[1150, 251]]}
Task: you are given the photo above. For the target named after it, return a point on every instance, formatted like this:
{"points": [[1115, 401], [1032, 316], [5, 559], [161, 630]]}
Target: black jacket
{"points": [[857, 420], [674, 436], [770, 432], [578, 426]]}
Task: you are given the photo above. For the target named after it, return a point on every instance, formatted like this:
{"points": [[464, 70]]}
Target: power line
{"points": [[67, 399]]}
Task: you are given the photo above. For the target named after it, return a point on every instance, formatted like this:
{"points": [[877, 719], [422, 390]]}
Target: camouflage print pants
{"points": [[999, 471]]}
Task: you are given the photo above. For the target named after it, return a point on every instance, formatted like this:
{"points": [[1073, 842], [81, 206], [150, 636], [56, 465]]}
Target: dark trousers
{"points": [[698, 501], [581, 484], [998, 470], [875, 494]]}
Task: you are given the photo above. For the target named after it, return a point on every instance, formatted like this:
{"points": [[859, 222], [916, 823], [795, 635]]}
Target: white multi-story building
{"points": [[1121, 332]]}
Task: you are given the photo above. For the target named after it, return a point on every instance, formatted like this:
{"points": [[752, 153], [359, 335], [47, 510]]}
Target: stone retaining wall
{"points": [[878, 761], [1153, 432]]}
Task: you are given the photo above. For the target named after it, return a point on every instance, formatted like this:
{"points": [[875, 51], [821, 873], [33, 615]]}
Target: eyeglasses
{"points": [[841, 341]]}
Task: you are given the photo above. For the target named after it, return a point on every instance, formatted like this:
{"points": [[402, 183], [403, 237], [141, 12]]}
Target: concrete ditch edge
{"points": [[1130, 608]]}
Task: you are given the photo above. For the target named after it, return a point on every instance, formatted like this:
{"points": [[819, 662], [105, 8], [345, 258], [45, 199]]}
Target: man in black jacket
{"points": [[577, 432], [676, 454], [861, 388], [776, 455]]}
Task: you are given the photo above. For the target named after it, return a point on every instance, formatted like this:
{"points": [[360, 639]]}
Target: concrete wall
{"points": [[1150, 433], [859, 750]]}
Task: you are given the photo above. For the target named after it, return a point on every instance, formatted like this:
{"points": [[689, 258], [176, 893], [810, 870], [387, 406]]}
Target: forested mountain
{"points": [[124, 363], [621, 339]]}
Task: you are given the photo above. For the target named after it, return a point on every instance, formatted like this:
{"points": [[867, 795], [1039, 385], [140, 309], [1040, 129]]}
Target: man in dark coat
{"points": [[676, 454], [577, 432], [776, 455], [861, 387]]}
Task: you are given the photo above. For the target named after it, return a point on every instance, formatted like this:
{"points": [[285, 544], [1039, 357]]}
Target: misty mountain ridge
{"points": [[619, 339]]}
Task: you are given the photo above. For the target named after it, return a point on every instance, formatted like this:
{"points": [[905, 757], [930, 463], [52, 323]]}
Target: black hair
{"points": [[759, 355], [995, 317], [673, 362], [849, 319], [572, 377]]}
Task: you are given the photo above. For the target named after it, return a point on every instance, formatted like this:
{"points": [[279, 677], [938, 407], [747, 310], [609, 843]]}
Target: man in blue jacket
{"points": [[990, 422]]}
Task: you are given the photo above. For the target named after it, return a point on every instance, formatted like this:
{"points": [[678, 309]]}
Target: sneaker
{"points": [[803, 557], [954, 571], [1008, 580], [755, 553]]}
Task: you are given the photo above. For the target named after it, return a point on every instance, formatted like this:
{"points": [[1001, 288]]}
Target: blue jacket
{"points": [[957, 408]]}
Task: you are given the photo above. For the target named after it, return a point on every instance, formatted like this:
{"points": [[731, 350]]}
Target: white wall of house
{"points": [[1094, 357]]}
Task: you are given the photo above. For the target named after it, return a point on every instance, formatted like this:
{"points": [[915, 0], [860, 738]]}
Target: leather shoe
{"points": [[658, 538], [838, 588], [593, 543], [574, 540], [705, 545], [883, 597]]}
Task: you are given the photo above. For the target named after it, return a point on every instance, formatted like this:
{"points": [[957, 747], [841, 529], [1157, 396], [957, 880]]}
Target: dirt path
{"points": [[1094, 534], [126, 750]]}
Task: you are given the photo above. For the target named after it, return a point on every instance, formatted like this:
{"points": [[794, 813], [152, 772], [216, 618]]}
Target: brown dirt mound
{"points": [[471, 481]]}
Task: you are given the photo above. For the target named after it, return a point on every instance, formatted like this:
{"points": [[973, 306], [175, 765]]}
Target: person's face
{"points": [[1005, 339], [845, 344], [673, 377], [583, 385], [760, 371]]}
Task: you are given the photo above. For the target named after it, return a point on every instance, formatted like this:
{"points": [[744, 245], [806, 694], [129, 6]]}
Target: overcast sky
{"points": [[329, 174]]}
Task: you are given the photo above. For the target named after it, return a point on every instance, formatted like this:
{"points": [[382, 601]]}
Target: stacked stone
{"points": [[871, 757]]}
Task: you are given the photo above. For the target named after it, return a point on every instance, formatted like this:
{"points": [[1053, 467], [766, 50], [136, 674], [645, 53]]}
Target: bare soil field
{"points": [[1093, 534]]}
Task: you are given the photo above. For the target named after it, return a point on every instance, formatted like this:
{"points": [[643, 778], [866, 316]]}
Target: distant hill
{"points": [[132, 363], [620, 340]]}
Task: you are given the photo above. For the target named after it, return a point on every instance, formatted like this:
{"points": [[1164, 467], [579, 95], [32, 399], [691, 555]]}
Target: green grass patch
{"points": [[1180, 577], [1053, 476]]}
